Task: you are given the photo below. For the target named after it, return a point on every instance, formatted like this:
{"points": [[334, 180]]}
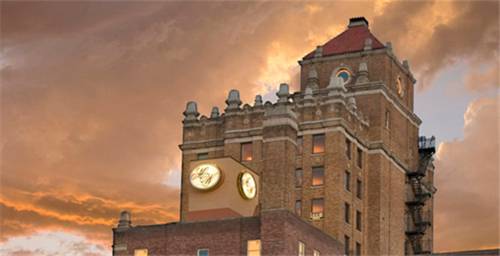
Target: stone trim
{"points": [[282, 138], [202, 150], [280, 121], [242, 140]]}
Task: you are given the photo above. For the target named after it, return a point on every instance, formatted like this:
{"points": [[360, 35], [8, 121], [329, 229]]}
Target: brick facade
{"points": [[371, 112], [278, 230]]}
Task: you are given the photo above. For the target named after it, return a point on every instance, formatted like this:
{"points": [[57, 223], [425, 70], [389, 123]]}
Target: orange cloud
{"points": [[467, 178], [92, 95]]}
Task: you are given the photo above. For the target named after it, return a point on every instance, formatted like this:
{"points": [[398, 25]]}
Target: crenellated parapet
{"points": [[313, 108]]}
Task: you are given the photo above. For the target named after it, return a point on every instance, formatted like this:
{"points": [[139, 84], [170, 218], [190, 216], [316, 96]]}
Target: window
{"points": [[317, 206], [358, 248], [299, 177], [253, 248], [318, 143], [318, 176], [347, 211], [141, 252], [360, 158], [202, 252], [348, 148], [315, 253], [347, 180], [347, 241], [202, 156], [387, 119], [302, 249], [298, 207], [246, 152], [300, 144], [399, 85], [345, 75], [358, 220], [359, 188]]}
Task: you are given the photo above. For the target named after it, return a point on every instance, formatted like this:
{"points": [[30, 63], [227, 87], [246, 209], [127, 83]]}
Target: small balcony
{"points": [[418, 222]]}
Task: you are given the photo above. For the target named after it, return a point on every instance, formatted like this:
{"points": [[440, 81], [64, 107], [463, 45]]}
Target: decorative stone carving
{"points": [[191, 112], [318, 52], [258, 101], [308, 94], [351, 104], [283, 93], [406, 64], [388, 45], [233, 100], [312, 79], [362, 76], [368, 44], [214, 113], [125, 221]]}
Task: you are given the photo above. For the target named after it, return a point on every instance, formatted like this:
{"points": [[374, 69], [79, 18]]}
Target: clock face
{"points": [[247, 185], [205, 176]]}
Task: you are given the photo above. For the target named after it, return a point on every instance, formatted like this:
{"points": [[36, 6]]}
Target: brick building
{"points": [[336, 168]]}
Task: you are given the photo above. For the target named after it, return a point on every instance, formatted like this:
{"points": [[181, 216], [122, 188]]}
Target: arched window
{"points": [[400, 86], [344, 74]]}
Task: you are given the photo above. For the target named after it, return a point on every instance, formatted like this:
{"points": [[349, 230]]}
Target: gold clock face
{"points": [[247, 185], [205, 176]]}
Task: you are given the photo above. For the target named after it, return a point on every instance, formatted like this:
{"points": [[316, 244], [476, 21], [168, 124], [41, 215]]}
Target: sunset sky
{"points": [[92, 96]]}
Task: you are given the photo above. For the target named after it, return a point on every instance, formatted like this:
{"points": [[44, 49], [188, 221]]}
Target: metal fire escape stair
{"points": [[420, 221]]}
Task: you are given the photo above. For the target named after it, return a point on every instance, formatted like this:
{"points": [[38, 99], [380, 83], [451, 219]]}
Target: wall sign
{"points": [[247, 185], [205, 176]]}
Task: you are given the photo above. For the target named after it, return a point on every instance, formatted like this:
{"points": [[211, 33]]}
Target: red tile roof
{"points": [[351, 40]]}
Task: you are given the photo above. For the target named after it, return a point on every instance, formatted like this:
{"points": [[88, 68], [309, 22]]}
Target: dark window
{"points": [[246, 152], [360, 158], [358, 248], [318, 143], [317, 206], [347, 241], [202, 252], [347, 212], [300, 144], [358, 220], [299, 177], [347, 180], [202, 156], [298, 207], [318, 176], [348, 148], [359, 189]]}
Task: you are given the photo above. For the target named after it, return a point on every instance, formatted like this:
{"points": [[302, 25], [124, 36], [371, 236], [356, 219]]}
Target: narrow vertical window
{"points": [[315, 253], [202, 156], [202, 252], [348, 148], [298, 207], [299, 177], [300, 145], [347, 180], [359, 188], [387, 119], [317, 207], [302, 249], [358, 248], [318, 176], [246, 152], [347, 212], [358, 220], [360, 158], [347, 241], [318, 143], [253, 248]]}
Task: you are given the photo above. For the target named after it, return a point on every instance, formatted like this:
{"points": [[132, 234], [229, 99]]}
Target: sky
{"points": [[92, 95]]}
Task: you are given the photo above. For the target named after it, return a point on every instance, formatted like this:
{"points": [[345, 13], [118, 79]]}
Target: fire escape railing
{"points": [[418, 221]]}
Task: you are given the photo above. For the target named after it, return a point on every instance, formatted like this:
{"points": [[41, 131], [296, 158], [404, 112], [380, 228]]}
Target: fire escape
{"points": [[419, 220]]}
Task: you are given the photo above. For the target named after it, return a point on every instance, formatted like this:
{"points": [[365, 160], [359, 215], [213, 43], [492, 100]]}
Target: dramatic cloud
{"points": [[92, 93], [467, 179]]}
